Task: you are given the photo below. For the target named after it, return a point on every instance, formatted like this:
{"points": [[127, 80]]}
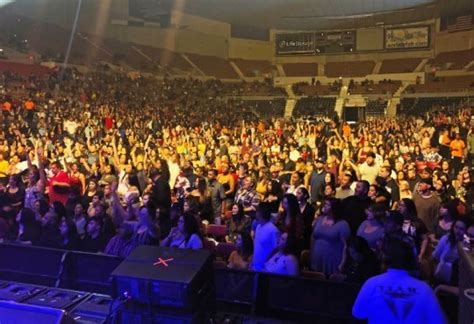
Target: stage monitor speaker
{"points": [[12, 312], [57, 298], [18, 292], [166, 277], [93, 310]]}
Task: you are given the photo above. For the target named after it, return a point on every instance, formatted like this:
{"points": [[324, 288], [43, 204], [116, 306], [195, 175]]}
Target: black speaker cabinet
{"points": [[166, 277], [93, 310]]}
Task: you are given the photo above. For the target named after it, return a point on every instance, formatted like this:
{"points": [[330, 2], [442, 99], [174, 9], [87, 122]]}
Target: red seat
{"points": [[224, 250], [420, 165], [313, 275], [217, 231], [432, 165]]}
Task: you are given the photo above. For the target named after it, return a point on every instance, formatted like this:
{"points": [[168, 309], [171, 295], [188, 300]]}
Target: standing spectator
{"points": [[316, 180], [458, 148], [95, 240], [344, 190], [217, 195], [160, 191], [446, 252], [266, 238], [369, 170], [390, 185], [372, 228], [353, 207], [329, 238], [427, 204], [307, 214], [248, 197], [59, 185]]}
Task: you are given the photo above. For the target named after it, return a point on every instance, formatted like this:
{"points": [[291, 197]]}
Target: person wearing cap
{"points": [[369, 170], [427, 204], [316, 180]]}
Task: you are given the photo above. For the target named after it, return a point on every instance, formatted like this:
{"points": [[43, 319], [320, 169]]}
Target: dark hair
{"points": [[398, 254], [246, 250], [151, 209], [293, 208], [452, 237], [191, 226], [43, 206], [264, 210], [379, 210], [276, 189], [305, 192], [366, 185], [71, 228], [411, 212], [98, 220], [291, 246], [240, 213], [451, 207], [335, 207], [59, 209], [332, 179], [193, 203], [16, 178]]}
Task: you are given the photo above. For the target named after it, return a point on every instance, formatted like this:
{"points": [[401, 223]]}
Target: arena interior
{"points": [[203, 161]]}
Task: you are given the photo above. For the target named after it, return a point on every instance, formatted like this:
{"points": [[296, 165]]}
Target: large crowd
{"points": [[104, 162]]}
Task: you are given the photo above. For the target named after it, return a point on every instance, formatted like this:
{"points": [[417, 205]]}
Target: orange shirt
{"points": [[29, 105], [7, 106], [457, 148], [346, 131]]}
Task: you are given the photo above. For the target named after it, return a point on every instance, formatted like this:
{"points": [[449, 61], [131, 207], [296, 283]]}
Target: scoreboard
{"points": [[315, 43]]}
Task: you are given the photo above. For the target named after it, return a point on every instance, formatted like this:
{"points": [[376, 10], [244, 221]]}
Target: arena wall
{"points": [[251, 49], [192, 34]]}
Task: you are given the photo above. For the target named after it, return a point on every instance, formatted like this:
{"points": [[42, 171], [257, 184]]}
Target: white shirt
{"points": [[174, 172], [397, 298], [266, 239], [369, 173]]}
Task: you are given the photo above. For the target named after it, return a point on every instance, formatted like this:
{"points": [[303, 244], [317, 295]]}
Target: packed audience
{"points": [[104, 162]]}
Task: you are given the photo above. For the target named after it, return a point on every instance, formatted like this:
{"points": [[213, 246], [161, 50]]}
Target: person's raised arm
{"points": [[42, 174], [116, 158], [118, 213]]}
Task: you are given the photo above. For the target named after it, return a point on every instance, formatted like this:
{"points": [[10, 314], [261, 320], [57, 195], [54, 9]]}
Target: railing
{"points": [[256, 293]]}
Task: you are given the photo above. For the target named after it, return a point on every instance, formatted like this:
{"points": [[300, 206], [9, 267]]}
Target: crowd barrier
{"points": [[258, 293]]}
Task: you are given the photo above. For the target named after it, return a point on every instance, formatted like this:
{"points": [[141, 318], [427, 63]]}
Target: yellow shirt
{"points": [[4, 166]]}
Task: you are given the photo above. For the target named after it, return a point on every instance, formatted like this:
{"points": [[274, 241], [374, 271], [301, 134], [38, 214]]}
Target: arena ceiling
{"points": [[318, 14]]}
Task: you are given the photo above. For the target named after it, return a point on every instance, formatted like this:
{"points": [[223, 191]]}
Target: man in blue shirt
{"points": [[395, 296]]}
